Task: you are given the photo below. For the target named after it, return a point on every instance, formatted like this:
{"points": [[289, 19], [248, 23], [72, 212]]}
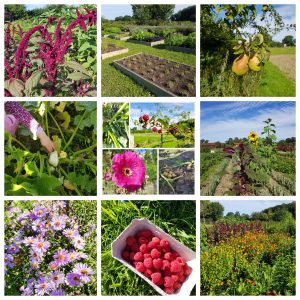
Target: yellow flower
{"points": [[253, 136]]}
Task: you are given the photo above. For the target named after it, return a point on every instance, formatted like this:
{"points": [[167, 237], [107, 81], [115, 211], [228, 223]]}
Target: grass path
{"points": [[226, 181]]}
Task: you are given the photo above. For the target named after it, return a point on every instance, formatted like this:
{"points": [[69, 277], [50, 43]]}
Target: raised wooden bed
{"points": [[180, 49], [163, 77], [111, 51], [151, 44], [119, 38]]}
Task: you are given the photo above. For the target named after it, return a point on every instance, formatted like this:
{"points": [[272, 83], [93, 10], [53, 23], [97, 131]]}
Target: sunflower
{"points": [[253, 136]]}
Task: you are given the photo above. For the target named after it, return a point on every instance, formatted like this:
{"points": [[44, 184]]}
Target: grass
{"points": [[177, 218], [282, 51], [274, 83], [152, 140], [116, 84]]}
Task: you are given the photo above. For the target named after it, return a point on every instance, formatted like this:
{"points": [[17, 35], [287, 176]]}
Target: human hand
{"points": [[46, 141]]}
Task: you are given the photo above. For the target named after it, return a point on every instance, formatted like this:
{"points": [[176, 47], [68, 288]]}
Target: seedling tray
{"points": [[163, 77], [187, 254], [151, 44]]}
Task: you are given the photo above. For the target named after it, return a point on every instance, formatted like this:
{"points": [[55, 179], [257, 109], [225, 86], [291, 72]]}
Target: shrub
{"points": [[113, 30], [142, 36]]}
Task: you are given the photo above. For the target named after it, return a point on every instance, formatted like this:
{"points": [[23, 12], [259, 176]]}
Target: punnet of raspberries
{"points": [[155, 258]]}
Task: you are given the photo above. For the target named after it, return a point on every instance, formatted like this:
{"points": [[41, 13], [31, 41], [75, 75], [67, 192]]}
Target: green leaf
{"points": [[84, 46], [16, 87], [77, 66], [46, 184], [33, 80], [78, 76]]}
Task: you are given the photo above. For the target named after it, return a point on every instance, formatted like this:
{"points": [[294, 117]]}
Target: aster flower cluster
{"points": [[52, 48], [47, 247]]}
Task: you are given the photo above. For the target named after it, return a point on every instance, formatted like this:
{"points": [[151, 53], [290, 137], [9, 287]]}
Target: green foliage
{"points": [[186, 14], [289, 40], [142, 35], [72, 127], [14, 11], [177, 218], [211, 211], [181, 40], [115, 125]]}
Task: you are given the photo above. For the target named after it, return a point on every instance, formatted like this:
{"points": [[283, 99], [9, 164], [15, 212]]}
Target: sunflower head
{"points": [[253, 136]]}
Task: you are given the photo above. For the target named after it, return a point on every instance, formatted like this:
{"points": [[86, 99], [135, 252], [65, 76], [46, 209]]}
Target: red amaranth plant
{"points": [[52, 50]]}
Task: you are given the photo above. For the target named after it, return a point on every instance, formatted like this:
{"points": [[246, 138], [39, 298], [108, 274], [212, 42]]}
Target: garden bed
{"points": [[112, 50], [181, 49], [150, 43], [161, 76]]}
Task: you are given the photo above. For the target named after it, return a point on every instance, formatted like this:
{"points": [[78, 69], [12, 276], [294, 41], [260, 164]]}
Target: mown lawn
{"points": [[274, 83], [177, 218], [116, 84], [282, 51], [152, 140]]}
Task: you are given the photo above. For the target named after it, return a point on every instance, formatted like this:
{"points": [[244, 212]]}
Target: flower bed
{"points": [[161, 76]]}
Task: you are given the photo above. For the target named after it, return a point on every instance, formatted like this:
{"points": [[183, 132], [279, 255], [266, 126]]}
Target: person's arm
{"points": [[26, 119]]}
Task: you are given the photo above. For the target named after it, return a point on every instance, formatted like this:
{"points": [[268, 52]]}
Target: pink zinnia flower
{"points": [[129, 171]]}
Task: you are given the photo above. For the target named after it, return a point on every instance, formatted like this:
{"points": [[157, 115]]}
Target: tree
{"points": [[289, 40], [125, 18], [14, 12], [211, 210], [186, 14], [145, 14]]}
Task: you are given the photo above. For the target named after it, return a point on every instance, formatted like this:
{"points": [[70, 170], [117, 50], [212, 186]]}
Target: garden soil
{"points": [[286, 63]]}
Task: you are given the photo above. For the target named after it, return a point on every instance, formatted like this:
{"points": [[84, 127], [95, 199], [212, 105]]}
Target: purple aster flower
{"points": [[73, 256], [53, 265], [58, 292], [39, 211], [35, 256], [73, 279], [59, 205], [9, 260], [57, 278], [40, 245], [28, 241], [61, 257], [78, 242], [43, 286], [84, 271], [27, 292], [38, 225], [70, 233], [13, 249], [58, 223]]}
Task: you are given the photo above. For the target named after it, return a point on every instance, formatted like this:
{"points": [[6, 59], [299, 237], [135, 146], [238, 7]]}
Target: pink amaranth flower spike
{"points": [[129, 171]]}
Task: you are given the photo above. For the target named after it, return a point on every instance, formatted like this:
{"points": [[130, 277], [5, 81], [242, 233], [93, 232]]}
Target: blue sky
{"points": [[288, 14], [138, 109], [221, 120], [248, 206], [112, 11]]}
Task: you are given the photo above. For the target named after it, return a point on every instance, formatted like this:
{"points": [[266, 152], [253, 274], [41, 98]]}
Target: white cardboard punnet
{"points": [[187, 254]]}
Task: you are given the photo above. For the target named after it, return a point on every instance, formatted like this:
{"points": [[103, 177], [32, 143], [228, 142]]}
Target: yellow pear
{"points": [[254, 63], [240, 65]]}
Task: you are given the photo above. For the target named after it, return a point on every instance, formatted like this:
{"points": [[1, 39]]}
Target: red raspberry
{"points": [[156, 240], [127, 248], [175, 266], [177, 285], [130, 241], [168, 256], [168, 282], [165, 265], [187, 270], [175, 254], [145, 117], [161, 282], [143, 240], [165, 249], [151, 245], [148, 262], [157, 263], [175, 277], [140, 267], [138, 256], [147, 255], [125, 255], [156, 277], [155, 253], [131, 255], [154, 129], [143, 248], [181, 278], [167, 273], [181, 261], [148, 273], [169, 291], [135, 248], [164, 243], [147, 233]]}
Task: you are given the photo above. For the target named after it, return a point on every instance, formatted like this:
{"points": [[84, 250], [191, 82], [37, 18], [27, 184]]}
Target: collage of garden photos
{"points": [[162, 160]]}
